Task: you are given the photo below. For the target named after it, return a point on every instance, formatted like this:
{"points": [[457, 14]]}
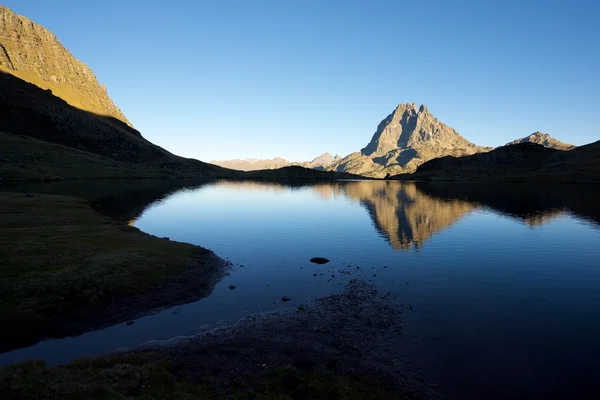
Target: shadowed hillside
{"points": [[525, 162], [42, 136], [298, 173]]}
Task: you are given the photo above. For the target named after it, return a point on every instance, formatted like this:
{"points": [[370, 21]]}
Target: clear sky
{"points": [[294, 78]]}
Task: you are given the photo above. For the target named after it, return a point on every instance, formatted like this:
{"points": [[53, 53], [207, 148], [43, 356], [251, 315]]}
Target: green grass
{"points": [[62, 260], [153, 376]]}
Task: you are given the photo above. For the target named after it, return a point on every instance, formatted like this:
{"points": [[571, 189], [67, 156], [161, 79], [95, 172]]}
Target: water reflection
{"points": [[534, 204], [403, 214], [406, 214]]}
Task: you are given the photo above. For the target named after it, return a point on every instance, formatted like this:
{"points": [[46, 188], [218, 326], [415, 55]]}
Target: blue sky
{"points": [[252, 78]]}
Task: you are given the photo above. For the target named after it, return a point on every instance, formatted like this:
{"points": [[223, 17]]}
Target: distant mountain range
{"points": [[253, 164], [405, 139]]}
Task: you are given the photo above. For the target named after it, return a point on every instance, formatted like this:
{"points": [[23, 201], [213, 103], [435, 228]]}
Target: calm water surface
{"points": [[500, 285]]}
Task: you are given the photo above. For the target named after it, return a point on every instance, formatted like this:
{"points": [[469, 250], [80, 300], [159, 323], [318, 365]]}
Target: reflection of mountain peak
{"points": [[405, 216]]}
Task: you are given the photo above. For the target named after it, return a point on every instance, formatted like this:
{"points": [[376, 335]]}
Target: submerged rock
{"points": [[319, 260]]}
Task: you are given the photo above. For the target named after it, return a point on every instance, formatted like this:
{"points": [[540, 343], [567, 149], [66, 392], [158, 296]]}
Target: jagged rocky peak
{"points": [[409, 127], [31, 52], [543, 139]]}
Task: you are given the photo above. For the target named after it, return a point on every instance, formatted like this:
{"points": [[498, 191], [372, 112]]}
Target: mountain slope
{"points": [[100, 146], [543, 139], [404, 140], [48, 95], [32, 53], [527, 162]]}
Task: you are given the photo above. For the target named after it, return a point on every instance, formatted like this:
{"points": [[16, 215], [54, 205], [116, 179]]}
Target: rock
{"points": [[165, 238], [130, 323], [231, 287], [285, 299], [319, 260]]}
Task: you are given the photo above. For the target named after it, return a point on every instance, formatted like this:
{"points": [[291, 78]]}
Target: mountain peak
{"points": [[543, 139], [408, 127]]}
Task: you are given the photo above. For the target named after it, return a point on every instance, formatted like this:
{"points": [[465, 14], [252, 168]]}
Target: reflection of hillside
{"points": [[539, 219], [531, 203], [253, 186], [122, 200], [404, 215], [326, 192]]}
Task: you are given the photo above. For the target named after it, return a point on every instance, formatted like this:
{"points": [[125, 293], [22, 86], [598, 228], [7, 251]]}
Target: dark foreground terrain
{"points": [[333, 348]]}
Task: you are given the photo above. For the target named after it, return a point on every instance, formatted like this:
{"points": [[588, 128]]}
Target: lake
{"points": [[499, 283]]}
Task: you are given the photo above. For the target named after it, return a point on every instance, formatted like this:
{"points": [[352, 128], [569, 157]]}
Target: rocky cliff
{"points": [[405, 139], [32, 53]]}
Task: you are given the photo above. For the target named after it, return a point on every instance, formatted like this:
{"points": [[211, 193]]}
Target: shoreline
{"points": [[356, 332], [339, 346], [68, 270]]}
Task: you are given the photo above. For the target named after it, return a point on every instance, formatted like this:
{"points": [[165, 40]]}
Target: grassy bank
{"points": [[153, 376], [62, 263]]}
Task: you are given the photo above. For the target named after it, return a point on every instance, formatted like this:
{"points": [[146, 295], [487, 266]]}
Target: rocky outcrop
{"points": [[405, 139], [543, 139], [32, 53]]}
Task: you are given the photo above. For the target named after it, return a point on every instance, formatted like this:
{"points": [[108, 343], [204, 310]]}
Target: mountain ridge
{"points": [[409, 137], [254, 164], [521, 162]]}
